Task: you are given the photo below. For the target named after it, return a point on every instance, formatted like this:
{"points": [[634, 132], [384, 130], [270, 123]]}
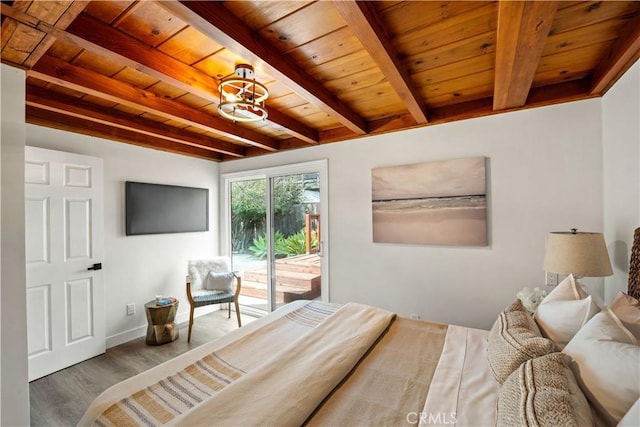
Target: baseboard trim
{"points": [[141, 331]]}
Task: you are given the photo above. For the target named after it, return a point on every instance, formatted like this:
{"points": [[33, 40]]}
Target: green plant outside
{"points": [[259, 247], [249, 209], [295, 244]]}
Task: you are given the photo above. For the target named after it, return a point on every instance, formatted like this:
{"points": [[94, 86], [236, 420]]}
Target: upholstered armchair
{"points": [[211, 281]]}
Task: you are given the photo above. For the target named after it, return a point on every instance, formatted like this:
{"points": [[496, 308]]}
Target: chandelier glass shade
{"points": [[242, 98]]}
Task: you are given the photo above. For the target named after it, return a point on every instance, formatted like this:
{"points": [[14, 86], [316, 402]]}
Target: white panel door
{"points": [[64, 239]]}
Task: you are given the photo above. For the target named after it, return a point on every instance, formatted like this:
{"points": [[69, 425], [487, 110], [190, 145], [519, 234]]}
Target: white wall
{"points": [[544, 174], [137, 268], [621, 159], [14, 388]]}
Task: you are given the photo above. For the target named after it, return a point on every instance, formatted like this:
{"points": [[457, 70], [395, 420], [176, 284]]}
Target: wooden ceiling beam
{"points": [[523, 28], [51, 119], [74, 9], [217, 22], [47, 100], [623, 54], [18, 15], [363, 20], [97, 37], [12, 17], [69, 16], [56, 71]]}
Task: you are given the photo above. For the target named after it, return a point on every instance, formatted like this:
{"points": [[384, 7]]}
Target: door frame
{"points": [[319, 166]]}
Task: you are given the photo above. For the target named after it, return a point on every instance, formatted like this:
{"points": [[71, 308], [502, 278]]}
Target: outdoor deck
{"points": [[297, 277]]}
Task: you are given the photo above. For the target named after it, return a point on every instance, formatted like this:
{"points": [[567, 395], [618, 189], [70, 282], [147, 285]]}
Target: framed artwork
{"points": [[431, 203]]}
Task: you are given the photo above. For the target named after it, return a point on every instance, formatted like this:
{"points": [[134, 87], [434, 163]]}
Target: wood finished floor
{"points": [[60, 399]]}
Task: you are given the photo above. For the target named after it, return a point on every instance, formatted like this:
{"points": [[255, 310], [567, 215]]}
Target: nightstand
{"points": [[162, 327]]}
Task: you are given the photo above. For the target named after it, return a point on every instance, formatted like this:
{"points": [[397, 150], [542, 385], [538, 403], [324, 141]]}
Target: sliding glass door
{"points": [[276, 232], [296, 265]]}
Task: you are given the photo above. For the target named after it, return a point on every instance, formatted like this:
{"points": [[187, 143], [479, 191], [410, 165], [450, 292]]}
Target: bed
{"points": [[319, 364], [315, 363]]}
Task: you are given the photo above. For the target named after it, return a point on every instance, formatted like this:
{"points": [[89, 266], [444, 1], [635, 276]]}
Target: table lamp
{"points": [[582, 254]]}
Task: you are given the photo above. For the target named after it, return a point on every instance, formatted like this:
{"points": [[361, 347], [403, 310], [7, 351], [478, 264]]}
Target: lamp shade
{"points": [[580, 253]]}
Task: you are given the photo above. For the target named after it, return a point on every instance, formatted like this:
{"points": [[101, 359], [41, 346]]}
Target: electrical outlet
{"points": [[131, 309], [551, 279], [415, 316]]}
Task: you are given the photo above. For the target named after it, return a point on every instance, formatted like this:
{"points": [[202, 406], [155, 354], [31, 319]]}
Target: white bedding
{"points": [[463, 391]]}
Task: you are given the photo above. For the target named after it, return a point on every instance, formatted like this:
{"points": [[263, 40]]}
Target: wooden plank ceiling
{"points": [[147, 72]]}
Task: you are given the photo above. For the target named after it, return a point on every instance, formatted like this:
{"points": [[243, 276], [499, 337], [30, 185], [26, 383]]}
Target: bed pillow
{"points": [[627, 309], [514, 339], [605, 358], [222, 282], [564, 311], [543, 392]]}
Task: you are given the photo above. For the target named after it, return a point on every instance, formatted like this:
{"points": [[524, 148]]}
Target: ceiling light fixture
{"points": [[242, 98]]}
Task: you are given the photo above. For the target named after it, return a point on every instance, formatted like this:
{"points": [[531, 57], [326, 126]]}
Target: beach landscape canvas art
{"points": [[434, 203]]}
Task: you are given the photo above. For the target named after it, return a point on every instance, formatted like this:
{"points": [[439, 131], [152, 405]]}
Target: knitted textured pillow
{"points": [[514, 339], [543, 392]]}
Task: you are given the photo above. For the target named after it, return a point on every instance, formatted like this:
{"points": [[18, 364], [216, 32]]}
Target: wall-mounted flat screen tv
{"points": [[158, 208]]}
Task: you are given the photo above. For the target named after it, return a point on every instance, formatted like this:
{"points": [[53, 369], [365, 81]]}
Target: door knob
{"points": [[97, 266]]}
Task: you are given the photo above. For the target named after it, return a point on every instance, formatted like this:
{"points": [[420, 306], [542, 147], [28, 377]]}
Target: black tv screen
{"points": [[158, 208]]}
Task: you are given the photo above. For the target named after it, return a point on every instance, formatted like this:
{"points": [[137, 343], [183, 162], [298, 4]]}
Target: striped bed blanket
{"points": [[290, 345], [162, 402]]}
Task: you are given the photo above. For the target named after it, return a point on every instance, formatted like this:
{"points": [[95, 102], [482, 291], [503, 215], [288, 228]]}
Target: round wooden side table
{"points": [[162, 327]]}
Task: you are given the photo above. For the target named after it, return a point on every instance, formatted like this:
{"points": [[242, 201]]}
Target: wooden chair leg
{"points": [[238, 313], [190, 324], [228, 310]]}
